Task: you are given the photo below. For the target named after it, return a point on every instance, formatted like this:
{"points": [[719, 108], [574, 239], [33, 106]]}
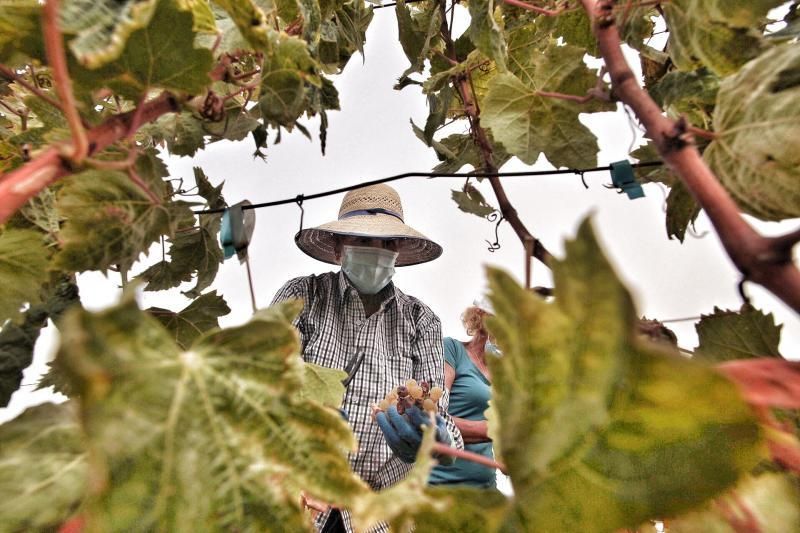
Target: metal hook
{"points": [[299, 201], [583, 179], [492, 217], [744, 296]]}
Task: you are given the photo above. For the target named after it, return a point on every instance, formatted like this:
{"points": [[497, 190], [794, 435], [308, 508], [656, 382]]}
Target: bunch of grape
{"points": [[404, 396]]}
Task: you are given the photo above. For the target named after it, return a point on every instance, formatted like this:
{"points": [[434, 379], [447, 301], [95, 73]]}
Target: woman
{"points": [[468, 379]]}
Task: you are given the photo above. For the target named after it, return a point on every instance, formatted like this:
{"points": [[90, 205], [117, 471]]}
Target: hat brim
{"points": [[414, 247]]}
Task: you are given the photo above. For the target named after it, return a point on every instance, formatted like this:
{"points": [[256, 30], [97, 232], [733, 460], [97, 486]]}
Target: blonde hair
{"points": [[472, 319]]}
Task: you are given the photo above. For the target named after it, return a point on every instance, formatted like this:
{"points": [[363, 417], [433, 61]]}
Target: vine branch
{"points": [[57, 58], [12, 76], [464, 88], [761, 260]]}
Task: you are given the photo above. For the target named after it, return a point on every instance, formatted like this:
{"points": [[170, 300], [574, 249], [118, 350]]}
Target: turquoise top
{"points": [[469, 398]]}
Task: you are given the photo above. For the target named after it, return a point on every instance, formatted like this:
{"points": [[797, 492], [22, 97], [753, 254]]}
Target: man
{"points": [[358, 321]]}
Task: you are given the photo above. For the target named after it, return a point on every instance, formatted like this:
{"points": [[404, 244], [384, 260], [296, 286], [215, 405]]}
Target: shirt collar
{"points": [[390, 292]]}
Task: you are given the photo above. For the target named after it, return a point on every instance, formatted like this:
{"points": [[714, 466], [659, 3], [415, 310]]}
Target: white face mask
{"points": [[368, 269]]}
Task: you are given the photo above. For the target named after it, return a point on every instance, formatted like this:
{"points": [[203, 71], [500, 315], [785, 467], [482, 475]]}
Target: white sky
{"points": [[371, 138]]}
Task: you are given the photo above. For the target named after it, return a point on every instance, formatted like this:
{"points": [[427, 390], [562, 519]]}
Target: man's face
{"points": [[371, 242]]}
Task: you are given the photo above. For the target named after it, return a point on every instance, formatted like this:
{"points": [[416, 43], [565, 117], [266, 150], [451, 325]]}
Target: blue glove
{"points": [[404, 436]]}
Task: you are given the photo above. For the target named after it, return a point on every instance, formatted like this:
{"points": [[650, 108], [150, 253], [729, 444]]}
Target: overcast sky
{"points": [[372, 138]]}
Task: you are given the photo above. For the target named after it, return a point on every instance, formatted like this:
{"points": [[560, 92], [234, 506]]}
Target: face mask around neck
{"points": [[368, 269]]}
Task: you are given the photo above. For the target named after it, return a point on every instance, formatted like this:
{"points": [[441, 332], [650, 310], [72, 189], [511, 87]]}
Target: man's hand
{"points": [[404, 433]]}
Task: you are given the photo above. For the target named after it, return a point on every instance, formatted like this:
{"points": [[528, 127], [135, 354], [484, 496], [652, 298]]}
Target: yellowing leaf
{"points": [[251, 21], [727, 335], [43, 468], [463, 509], [213, 437], [160, 55], [485, 32], [201, 13], [598, 430], [323, 385], [756, 152], [23, 269]]}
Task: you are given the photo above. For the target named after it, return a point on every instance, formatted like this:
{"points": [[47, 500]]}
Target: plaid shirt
{"points": [[401, 340]]}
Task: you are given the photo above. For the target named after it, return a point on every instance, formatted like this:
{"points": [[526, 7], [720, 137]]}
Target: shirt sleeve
{"points": [[295, 289], [451, 352], [429, 365]]}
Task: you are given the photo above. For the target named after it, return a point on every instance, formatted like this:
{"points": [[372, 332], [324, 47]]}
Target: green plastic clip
{"points": [[623, 178], [236, 230]]}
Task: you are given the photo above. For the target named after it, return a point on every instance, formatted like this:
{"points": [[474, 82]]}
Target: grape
{"points": [[383, 405], [436, 393], [429, 405], [412, 394], [402, 391], [411, 383], [416, 393]]}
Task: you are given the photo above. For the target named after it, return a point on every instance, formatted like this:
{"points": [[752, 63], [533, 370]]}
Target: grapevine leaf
{"points": [[110, 220], [457, 150], [251, 21], [682, 210], [160, 55], [101, 28], [202, 15], [485, 32], [195, 319], [323, 385], [312, 21], [719, 34], [17, 341], [212, 435], [470, 200], [194, 251], [756, 151], [467, 510], [658, 174], [727, 335], [16, 350], [689, 94], [766, 382], [601, 431], [283, 96], [235, 125], [43, 469], [352, 20], [23, 269], [439, 104], [19, 28], [527, 123], [417, 33], [183, 133], [768, 502]]}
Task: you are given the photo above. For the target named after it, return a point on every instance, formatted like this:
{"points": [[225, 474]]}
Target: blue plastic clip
{"points": [[623, 178], [236, 230]]}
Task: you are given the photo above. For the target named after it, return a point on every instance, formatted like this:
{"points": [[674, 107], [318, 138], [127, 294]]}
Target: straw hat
{"points": [[372, 211]]}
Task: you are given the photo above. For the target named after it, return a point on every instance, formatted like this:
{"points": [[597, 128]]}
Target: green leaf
{"points": [[600, 431], [43, 468], [160, 55], [689, 94], [195, 319], [768, 502], [23, 269], [110, 220], [101, 28], [17, 341], [183, 133], [323, 385], [682, 210], [485, 32], [457, 150], [19, 23], [719, 34], [470, 200], [214, 437], [251, 21], [16, 350], [235, 125], [658, 174], [743, 334], [527, 123], [283, 96], [417, 32], [756, 151]]}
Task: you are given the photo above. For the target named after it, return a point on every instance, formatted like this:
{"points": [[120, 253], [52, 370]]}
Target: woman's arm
{"points": [[472, 431]]}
